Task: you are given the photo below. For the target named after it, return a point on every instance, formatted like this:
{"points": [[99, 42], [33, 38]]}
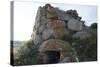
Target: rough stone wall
{"points": [[52, 24]]}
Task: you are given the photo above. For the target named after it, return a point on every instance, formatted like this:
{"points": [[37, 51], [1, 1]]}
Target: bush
{"points": [[93, 26], [26, 54], [87, 48]]}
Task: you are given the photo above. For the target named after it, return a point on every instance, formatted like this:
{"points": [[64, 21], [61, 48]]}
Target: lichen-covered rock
{"points": [[58, 28]]}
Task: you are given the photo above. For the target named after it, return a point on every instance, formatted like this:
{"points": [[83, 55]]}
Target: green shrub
{"points": [[26, 54], [87, 48], [93, 26], [67, 38]]}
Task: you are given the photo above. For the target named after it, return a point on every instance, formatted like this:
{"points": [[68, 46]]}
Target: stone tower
{"points": [[51, 25]]}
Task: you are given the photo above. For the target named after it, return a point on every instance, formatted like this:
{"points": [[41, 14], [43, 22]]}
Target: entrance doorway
{"points": [[53, 57]]}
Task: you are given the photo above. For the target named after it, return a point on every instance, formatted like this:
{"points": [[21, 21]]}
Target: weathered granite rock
{"points": [[58, 28], [54, 23], [37, 38], [51, 13], [75, 25], [55, 44], [41, 28], [47, 33], [62, 15]]}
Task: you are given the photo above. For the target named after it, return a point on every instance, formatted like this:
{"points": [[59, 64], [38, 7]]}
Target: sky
{"points": [[25, 13]]}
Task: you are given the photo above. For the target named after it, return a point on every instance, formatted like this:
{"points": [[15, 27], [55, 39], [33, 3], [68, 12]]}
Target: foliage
{"points": [[87, 48], [93, 26], [26, 54], [67, 38]]}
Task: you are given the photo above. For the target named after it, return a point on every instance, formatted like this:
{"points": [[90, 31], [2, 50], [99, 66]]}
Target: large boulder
{"points": [[75, 25]]}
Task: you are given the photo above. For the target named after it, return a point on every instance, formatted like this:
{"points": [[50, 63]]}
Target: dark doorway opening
{"points": [[66, 23], [53, 57]]}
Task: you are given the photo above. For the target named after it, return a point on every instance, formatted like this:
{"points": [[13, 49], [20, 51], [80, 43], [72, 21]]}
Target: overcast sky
{"points": [[25, 13]]}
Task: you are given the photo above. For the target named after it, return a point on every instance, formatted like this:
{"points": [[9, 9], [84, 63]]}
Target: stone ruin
{"points": [[51, 25]]}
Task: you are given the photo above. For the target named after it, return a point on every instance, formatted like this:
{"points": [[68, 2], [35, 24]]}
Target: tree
{"points": [[87, 48], [93, 26]]}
